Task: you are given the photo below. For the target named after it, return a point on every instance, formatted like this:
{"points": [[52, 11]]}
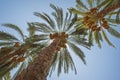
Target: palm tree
{"points": [[48, 44], [14, 51], [61, 32], [98, 18]]}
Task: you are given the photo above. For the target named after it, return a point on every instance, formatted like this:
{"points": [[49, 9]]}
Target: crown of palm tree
{"points": [[98, 18], [14, 50], [63, 28]]}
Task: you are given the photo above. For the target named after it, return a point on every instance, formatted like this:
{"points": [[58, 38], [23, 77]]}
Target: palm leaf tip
{"points": [[75, 11], [113, 32], [77, 51], [7, 36], [106, 38], [15, 27]]}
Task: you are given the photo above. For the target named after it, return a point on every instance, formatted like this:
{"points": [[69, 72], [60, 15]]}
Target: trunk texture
{"points": [[39, 68]]}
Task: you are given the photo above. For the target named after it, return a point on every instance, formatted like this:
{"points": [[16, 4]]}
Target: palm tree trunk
{"points": [[39, 68]]}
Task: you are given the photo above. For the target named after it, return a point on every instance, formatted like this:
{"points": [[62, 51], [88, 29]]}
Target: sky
{"points": [[102, 64]]}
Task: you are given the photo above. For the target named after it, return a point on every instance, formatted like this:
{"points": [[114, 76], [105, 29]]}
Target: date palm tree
{"points": [[16, 52], [56, 37], [99, 18], [59, 33], [49, 43]]}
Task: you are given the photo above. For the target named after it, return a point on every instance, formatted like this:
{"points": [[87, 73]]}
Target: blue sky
{"points": [[102, 64]]}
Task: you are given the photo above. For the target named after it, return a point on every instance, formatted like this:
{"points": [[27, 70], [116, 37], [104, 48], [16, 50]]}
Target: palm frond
{"points": [[97, 38], [58, 15], [70, 61], [75, 11], [113, 32], [77, 51], [113, 21], [50, 20], [65, 60], [81, 41], [12, 26], [90, 2], [60, 63], [65, 22], [42, 27], [108, 4], [106, 38], [5, 43], [8, 68], [103, 3], [31, 29], [6, 36], [45, 18], [100, 36], [7, 76], [118, 17], [81, 4], [19, 70], [37, 38], [90, 38], [69, 26], [98, 2], [80, 30], [5, 67]]}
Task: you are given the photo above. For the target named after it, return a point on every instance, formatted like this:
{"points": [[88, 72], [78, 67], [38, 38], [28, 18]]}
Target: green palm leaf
{"points": [[50, 20], [103, 3], [7, 76], [65, 60], [65, 22], [36, 38], [118, 17], [60, 63], [90, 2], [6, 36], [108, 4], [5, 43], [69, 61], [113, 32], [97, 38], [81, 41], [46, 18], [90, 37], [75, 11], [19, 70], [114, 21], [42, 27], [8, 68], [106, 38], [77, 51], [81, 4], [12, 26], [58, 15]]}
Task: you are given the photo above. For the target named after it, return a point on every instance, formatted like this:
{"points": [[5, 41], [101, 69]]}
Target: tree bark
{"points": [[39, 68]]}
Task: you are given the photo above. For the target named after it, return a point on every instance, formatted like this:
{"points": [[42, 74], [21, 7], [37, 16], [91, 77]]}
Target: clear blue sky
{"points": [[102, 64]]}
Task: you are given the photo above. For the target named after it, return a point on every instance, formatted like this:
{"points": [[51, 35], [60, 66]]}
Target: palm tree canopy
{"points": [[73, 31], [16, 52], [98, 18], [40, 35], [61, 26]]}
